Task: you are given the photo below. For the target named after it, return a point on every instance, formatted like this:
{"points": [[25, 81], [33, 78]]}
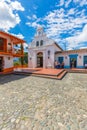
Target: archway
{"points": [[40, 59]]}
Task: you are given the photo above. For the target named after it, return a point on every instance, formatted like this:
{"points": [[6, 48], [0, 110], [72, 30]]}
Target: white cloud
{"points": [[33, 24], [33, 17], [71, 11], [58, 21], [83, 2], [67, 3], [18, 35], [16, 6], [61, 2], [25, 45], [34, 21], [80, 2], [75, 41], [8, 17], [66, 22]]}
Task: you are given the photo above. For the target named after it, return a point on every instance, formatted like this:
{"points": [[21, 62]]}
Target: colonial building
{"points": [[8, 51], [44, 51], [73, 58]]}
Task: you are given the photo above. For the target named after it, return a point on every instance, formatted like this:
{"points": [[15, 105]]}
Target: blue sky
{"points": [[65, 21]]}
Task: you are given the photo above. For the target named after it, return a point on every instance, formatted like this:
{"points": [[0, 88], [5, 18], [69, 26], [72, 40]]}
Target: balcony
{"points": [[18, 50], [8, 43], [13, 52], [18, 53], [4, 50]]}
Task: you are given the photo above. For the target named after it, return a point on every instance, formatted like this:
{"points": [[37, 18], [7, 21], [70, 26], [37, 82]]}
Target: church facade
{"points": [[43, 52]]}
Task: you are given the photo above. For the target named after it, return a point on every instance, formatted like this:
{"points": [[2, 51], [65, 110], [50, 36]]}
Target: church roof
{"points": [[73, 51], [58, 46]]}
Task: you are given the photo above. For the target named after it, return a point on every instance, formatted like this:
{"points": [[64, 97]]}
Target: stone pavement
{"points": [[33, 103]]}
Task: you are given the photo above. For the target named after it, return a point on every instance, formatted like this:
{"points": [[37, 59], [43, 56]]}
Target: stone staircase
{"points": [[76, 70], [58, 76]]}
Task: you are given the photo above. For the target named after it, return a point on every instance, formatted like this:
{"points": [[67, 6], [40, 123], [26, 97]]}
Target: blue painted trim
{"points": [[66, 67], [84, 59], [80, 67], [73, 55]]}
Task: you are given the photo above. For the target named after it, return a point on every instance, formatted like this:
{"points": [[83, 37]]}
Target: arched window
{"points": [[48, 52], [41, 43], [37, 43]]}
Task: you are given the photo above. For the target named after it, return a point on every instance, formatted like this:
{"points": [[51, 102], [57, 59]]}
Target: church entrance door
{"points": [[40, 59]]}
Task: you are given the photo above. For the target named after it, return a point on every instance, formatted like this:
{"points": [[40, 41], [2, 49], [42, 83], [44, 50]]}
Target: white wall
{"points": [[80, 59], [32, 58], [32, 53], [50, 61], [66, 58], [8, 63], [48, 45], [56, 48]]}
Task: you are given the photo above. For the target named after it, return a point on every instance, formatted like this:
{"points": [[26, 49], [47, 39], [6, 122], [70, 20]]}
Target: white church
{"points": [[43, 51]]}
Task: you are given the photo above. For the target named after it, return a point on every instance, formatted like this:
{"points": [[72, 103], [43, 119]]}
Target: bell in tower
{"points": [[40, 31]]}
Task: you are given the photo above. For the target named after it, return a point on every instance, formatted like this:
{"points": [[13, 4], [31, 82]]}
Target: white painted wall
{"points": [[66, 58], [47, 62], [50, 61], [8, 63], [80, 59], [48, 45]]}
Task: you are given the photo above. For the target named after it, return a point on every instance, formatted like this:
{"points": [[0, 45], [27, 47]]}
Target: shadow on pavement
{"points": [[10, 77]]}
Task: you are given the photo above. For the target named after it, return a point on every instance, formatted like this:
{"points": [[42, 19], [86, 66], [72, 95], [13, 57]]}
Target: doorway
{"points": [[73, 62], [40, 59], [1, 64]]}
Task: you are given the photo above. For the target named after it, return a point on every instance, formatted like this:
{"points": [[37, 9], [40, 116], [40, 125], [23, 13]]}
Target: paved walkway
{"points": [[32, 103]]}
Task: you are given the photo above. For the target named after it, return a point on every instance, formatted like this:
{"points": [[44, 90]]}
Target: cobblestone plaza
{"points": [[34, 103]]}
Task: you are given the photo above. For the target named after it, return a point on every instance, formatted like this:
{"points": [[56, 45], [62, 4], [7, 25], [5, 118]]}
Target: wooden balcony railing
{"points": [[5, 52], [18, 53], [11, 51]]}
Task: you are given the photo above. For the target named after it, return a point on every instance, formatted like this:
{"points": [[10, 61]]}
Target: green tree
{"points": [[26, 57], [24, 60]]}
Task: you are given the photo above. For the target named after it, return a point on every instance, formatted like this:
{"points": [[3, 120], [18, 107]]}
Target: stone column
{"points": [[44, 60]]}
